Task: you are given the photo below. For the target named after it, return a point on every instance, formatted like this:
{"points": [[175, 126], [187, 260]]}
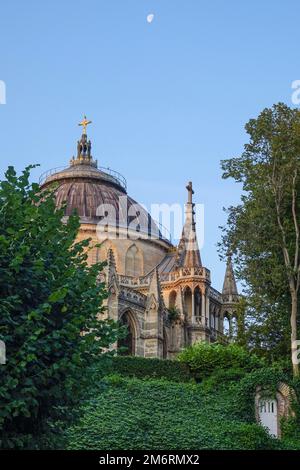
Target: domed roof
{"points": [[98, 194]]}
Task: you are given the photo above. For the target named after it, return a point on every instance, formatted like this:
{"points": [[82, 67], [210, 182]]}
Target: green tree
{"points": [[263, 231], [50, 304], [204, 359]]}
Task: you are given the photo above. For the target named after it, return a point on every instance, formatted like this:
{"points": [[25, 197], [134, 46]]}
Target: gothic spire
{"points": [[229, 286], [188, 254]]}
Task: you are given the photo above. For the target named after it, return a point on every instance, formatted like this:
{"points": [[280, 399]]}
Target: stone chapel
{"points": [[161, 292]]}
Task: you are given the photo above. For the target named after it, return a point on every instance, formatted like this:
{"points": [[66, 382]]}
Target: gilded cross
{"points": [[84, 123], [190, 192]]}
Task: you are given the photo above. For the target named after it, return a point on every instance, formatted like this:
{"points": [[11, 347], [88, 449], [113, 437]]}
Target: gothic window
{"points": [[127, 344], [212, 317], [188, 302], [198, 298], [133, 262], [217, 319], [172, 299], [226, 325]]}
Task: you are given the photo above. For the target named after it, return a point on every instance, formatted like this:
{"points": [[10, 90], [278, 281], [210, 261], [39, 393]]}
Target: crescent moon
{"points": [[150, 18]]}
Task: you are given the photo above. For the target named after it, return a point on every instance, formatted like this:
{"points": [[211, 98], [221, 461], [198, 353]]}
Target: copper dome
{"points": [[89, 191]]}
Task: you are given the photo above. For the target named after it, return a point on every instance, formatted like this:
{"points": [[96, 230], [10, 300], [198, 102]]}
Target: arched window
{"points": [[198, 299], [133, 262], [212, 317], [172, 299], [217, 317], [128, 343], [226, 325], [188, 302]]}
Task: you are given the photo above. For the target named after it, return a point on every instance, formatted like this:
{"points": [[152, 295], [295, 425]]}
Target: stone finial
{"points": [[229, 286], [112, 277]]}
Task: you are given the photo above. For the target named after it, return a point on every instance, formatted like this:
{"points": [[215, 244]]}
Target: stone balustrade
{"points": [[181, 273]]}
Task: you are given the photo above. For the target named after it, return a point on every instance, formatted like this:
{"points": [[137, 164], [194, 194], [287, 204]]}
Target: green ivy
{"points": [[128, 413], [203, 358], [173, 314]]}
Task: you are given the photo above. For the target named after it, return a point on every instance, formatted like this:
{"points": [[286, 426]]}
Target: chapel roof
{"points": [[96, 193]]}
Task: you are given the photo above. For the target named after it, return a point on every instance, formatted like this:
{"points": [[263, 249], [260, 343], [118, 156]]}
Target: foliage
{"points": [[129, 413], [121, 412], [263, 230], [173, 314], [203, 358], [290, 427], [140, 367], [267, 378], [49, 297], [221, 377]]}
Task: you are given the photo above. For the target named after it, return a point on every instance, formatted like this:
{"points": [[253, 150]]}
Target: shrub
{"points": [[204, 358], [140, 367]]}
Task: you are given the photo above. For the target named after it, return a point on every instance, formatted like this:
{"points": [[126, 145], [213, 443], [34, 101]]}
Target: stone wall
{"points": [[152, 252]]}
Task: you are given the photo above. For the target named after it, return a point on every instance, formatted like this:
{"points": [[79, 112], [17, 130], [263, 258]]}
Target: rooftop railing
{"points": [[108, 174]]}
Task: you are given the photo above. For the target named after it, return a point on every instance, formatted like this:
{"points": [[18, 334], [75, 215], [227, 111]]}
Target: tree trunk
{"points": [[294, 333]]}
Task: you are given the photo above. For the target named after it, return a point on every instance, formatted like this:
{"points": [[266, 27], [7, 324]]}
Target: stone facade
{"points": [[161, 292]]}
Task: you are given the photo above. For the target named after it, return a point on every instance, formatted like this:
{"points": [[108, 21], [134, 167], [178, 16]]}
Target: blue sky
{"points": [[168, 100]]}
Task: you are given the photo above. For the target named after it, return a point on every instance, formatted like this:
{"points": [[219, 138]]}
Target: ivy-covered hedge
{"points": [[120, 412], [140, 367], [129, 413]]}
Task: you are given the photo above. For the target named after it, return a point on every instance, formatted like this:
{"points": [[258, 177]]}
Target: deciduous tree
{"points": [[263, 231], [51, 305]]}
